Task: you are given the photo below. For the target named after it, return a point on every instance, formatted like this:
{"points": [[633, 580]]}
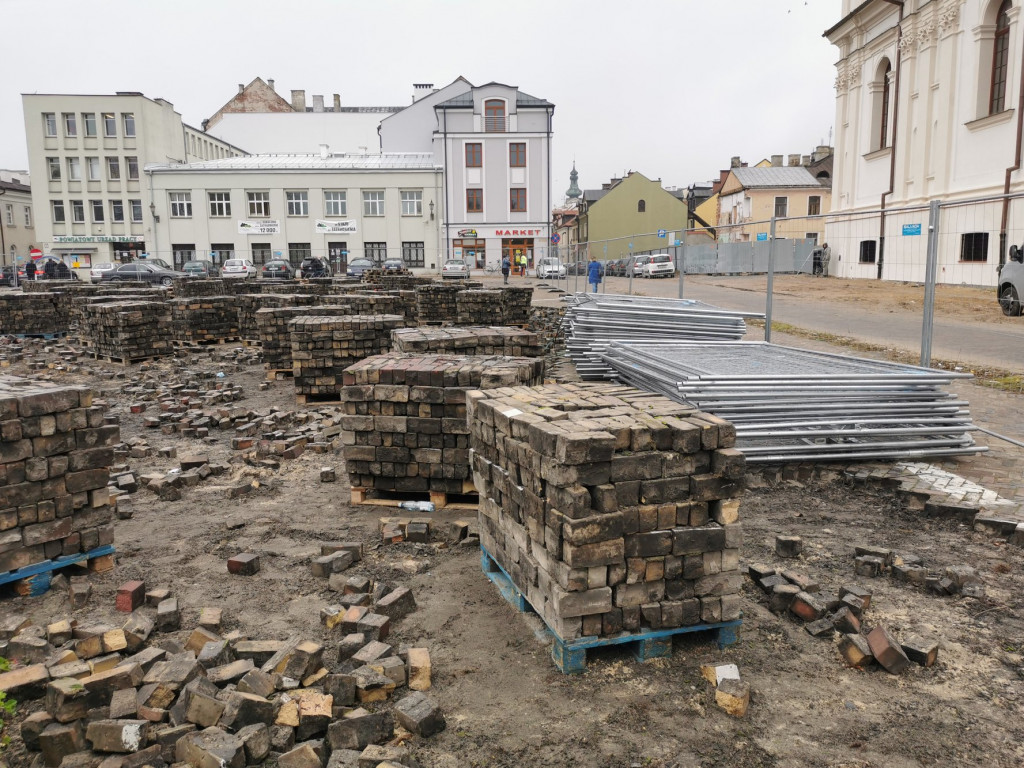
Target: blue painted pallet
{"points": [[47, 336], [39, 574], [571, 656]]}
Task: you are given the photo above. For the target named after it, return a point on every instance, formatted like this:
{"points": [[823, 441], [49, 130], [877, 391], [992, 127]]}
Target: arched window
{"points": [[1000, 51], [883, 132], [494, 115], [641, 206]]}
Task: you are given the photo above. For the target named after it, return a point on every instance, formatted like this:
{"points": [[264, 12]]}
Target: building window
{"points": [[259, 203], [109, 125], [641, 206], [70, 124], [136, 206], [129, 123], [412, 203], [474, 201], [50, 123], [881, 96], [412, 254], [781, 207], [517, 200], [183, 252], [97, 211], [133, 168], [28, 217], [9, 209], [297, 252], [93, 166], [474, 155], [375, 252], [114, 168], [53, 164], [221, 252], [77, 212], [117, 210], [260, 253], [74, 169], [867, 251], [373, 203], [517, 155], [335, 204], [494, 115], [298, 203], [57, 211], [814, 205], [1000, 53], [89, 119], [181, 204], [974, 246], [220, 204], [812, 236]]}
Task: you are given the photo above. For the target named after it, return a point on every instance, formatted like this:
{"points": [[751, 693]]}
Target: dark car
{"points": [[141, 271], [393, 265], [199, 269], [278, 269], [356, 267], [311, 266], [7, 276]]}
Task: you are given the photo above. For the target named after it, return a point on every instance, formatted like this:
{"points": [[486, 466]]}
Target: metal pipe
{"points": [[931, 267], [1004, 438], [771, 284]]}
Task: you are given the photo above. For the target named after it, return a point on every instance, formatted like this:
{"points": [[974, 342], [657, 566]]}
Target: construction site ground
{"points": [[505, 702]]}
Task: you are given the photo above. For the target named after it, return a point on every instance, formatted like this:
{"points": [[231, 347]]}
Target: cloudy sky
{"points": [[670, 88]]}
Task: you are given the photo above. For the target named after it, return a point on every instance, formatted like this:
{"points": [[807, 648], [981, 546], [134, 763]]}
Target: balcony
{"points": [[496, 124]]}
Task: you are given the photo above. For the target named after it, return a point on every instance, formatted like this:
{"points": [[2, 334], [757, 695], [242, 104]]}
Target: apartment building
{"points": [[17, 219]]}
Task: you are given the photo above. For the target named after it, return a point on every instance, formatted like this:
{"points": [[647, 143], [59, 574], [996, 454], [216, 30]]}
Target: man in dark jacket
{"points": [[30, 270]]}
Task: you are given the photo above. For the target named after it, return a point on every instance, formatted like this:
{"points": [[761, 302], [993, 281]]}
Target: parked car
{"points": [[549, 267], [617, 268], [1011, 283], [659, 265], [638, 264], [242, 268], [199, 269], [312, 266], [278, 269], [393, 265], [157, 261], [356, 267], [143, 271], [7, 276], [97, 271], [456, 268]]}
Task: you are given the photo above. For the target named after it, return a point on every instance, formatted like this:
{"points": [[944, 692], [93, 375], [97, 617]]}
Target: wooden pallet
{"points": [[570, 656], [207, 342], [279, 374], [34, 580], [439, 499], [125, 360], [46, 336], [314, 400], [252, 343]]}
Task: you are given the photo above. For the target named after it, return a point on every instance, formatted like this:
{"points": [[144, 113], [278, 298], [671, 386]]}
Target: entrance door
{"points": [[338, 254], [518, 250]]}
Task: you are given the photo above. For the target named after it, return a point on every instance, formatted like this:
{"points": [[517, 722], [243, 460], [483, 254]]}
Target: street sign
{"points": [[678, 242], [661, 233], [762, 235], [911, 229], [556, 239]]}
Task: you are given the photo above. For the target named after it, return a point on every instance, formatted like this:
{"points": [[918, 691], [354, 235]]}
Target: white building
{"points": [[18, 233], [263, 207], [928, 106]]}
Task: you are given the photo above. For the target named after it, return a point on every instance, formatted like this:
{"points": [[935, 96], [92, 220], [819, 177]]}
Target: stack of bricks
{"points": [[187, 287], [516, 304], [272, 330], [394, 281], [438, 303], [323, 347], [471, 340], [55, 454], [392, 303], [204, 318], [405, 417], [82, 316], [128, 330], [476, 307], [33, 313], [611, 509], [250, 303]]}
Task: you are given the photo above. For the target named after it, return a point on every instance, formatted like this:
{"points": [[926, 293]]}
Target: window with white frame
{"points": [[373, 203], [57, 211], [70, 124], [259, 203], [78, 212], [136, 206], [92, 165], [117, 210], [413, 254], [50, 123], [53, 165], [781, 207], [9, 213], [412, 203], [181, 204], [335, 204], [28, 217], [128, 118], [97, 211], [89, 121], [298, 203], [74, 169], [220, 204], [133, 168], [109, 125], [114, 168], [375, 252]]}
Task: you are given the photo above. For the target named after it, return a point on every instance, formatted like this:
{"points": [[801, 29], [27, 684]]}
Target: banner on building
{"points": [[98, 238], [335, 227], [262, 227]]}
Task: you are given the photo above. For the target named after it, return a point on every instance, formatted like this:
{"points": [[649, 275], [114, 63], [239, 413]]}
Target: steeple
{"points": [[573, 193]]}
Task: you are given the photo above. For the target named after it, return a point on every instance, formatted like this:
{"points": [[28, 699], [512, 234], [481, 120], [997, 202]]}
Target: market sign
{"points": [[263, 227], [98, 239], [336, 227], [467, 233]]}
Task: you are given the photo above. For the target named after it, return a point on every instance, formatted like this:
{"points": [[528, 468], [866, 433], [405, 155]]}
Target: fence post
{"points": [[931, 267], [771, 284], [681, 258]]}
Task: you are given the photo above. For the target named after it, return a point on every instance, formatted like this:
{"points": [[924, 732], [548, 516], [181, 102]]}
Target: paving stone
{"points": [[118, 735], [733, 696], [418, 714], [358, 728], [887, 651], [211, 748], [921, 651]]}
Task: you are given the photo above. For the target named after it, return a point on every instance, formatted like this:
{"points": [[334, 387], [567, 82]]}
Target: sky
{"points": [[670, 88]]}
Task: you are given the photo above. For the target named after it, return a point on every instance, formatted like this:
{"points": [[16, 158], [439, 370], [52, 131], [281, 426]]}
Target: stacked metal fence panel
{"points": [[796, 405]]}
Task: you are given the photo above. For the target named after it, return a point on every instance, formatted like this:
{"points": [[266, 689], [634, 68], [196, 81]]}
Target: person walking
{"points": [[506, 267], [594, 273]]}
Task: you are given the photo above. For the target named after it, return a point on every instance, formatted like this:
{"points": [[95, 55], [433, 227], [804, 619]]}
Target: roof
{"points": [[15, 186], [592, 195], [775, 176], [308, 162], [464, 100]]}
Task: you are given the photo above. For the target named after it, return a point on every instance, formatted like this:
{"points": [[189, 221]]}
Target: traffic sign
{"points": [[661, 233], [556, 239]]}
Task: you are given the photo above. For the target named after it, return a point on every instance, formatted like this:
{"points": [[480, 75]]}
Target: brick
{"points": [[342, 689], [101, 685], [245, 564], [212, 747], [869, 566], [855, 650], [67, 700], [210, 618], [397, 604], [358, 728], [419, 669], [782, 597], [302, 756], [256, 682], [60, 739], [820, 628], [418, 714], [860, 592], [203, 710], [335, 562], [887, 651], [845, 621], [120, 736], [246, 709], [255, 740], [168, 617], [199, 638], [231, 672], [788, 546], [374, 625], [31, 727], [733, 697], [920, 651], [806, 607], [350, 644]]}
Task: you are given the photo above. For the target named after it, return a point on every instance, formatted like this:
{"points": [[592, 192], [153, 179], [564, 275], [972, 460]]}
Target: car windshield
{"points": [[662, 258], [455, 263], [194, 265], [361, 263], [276, 264], [105, 265], [234, 263]]}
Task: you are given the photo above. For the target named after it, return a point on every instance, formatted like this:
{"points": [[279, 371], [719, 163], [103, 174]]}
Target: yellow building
{"points": [[631, 210], [751, 196]]}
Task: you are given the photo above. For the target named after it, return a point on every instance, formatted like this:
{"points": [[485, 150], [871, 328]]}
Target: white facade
{"points": [[927, 107], [18, 234], [263, 207], [299, 132]]}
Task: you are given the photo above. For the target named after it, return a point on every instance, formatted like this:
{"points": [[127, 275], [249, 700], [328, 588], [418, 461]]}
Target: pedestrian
{"points": [[826, 257], [506, 267], [30, 270], [50, 270], [594, 273]]}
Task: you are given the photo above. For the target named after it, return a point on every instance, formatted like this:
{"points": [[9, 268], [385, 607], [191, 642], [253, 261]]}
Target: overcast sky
{"points": [[670, 88]]}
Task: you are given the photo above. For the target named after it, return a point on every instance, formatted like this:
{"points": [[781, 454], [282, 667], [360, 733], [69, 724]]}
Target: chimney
{"points": [[776, 161], [419, 90], [821, 151], [299, 101], [270, 82], [794, 160], [337, 102], [318, 103], [241, 88], [735, 162], [805, 160], [325, 151]]}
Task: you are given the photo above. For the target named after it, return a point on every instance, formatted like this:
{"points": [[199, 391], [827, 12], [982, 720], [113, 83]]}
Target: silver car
{"points": [[1011, 283], [455, 268]]}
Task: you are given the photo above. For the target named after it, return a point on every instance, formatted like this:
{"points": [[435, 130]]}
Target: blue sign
{"points": [[661, 233], [277, 253], [911, 229], [762, 236], [556, 239], [678, 242]]}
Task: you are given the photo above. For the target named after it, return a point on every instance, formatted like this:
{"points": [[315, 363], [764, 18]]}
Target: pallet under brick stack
{"points": [[612, 511], [405, 423], [128, 331], [205, 319], [55, 510]]}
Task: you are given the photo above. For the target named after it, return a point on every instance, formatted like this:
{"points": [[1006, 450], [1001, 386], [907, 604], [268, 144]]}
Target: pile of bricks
{"points": [[79, 308], [323, 347], [405, 423], [516, 305], [33, 314], [611, 509], [547, 323], [250, 303], [272, 331], [204, 318], [128, 330], [438, 303], [187, 287], [55, 449], [471, 340], [393, 303], [477, 307], [394, 281]]}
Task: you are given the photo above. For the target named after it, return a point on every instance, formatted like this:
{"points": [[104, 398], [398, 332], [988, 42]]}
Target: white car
{"points": [[549, 267], [97, 271], [455, 268], [659, 265], [639, 262], [238, 268]]}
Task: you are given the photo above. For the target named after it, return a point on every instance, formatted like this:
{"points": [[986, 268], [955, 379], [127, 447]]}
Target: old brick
{"points": [[211, 748], [358, 728], [921, 651], [418, 714], [788, 546], [887, 651], [855, 650], [118, 735], [245, 564], [130, 596]]}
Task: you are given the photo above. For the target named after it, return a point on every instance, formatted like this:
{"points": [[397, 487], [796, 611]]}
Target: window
{"points": [[814, 205], [50, 123], [53, 164], [133, 168], [183, 252], [1000, 51], [74, 169], [883, 136], [974, 246], [109, 125], [70, 124], [28, 217], [9, 211], [57, 211], [298, 203], [136, 206], [880, 96], [373, 203], [220, 204], [412, 203], [97, 211], [517, 201], [181, 204], [129, 123], [259, 203], [117, 210], [412, 254], [474, 155], [517, 155], [77, 212], [376, 252], [474, 201], [812, 236], [781, 207], [221, 252], [93, 166], [494, 115], [89, 119], [297, 252], [114, 168], [641, 206], [867, 251], [260, 253], [334, 204]]}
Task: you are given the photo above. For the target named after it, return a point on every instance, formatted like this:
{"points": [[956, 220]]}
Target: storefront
{"points": [[82, 251], [484, 248], [473, 250]]}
